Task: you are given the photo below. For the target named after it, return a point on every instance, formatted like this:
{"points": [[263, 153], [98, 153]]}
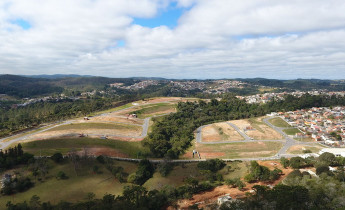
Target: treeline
{"points": [[172, 135], [21, 87]]}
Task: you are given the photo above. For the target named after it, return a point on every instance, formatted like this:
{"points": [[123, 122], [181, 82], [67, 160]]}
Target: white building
{"points": [[338, 152]]}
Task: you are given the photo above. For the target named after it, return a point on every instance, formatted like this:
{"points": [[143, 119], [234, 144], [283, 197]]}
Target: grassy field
{"points": [[75, 188], [174, 178], [113, 109], [235, 150], [279, 122], [82, 126], [51, 146], [236, 169], [151, 110], [291, 131]]}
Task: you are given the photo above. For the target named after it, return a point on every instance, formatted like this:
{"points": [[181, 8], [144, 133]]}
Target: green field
{"points": [[75, 188], [113, 109], [236, 169], [82, 126], [279, 122], [151, 110], [174, 178], [51, 146], [291, 131]]}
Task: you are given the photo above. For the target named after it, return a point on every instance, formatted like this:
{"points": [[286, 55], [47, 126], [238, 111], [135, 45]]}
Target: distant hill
{"points": [[24, 86], [55, 76], [19, 86]]}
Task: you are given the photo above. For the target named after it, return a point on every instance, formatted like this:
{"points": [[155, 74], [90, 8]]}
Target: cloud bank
{"points": [[212, 39]]}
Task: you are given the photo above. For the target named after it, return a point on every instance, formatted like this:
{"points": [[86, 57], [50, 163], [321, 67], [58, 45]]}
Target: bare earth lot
{"points": [[235, 150], [259, 130], [220, 132], [298, 149]]}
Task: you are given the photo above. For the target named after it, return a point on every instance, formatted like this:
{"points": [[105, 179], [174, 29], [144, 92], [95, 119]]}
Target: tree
{"points": [[57, 157], [61, 175], [322, 169], [327, 158], [284, 162], [35, 202], [297, 162]]}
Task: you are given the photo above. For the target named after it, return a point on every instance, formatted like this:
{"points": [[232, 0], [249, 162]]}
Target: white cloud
{"points": [[219, 38]]}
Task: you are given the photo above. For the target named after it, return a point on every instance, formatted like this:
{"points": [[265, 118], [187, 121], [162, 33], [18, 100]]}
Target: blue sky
{"points": [[202, 38], [22, 23], [165, 17]]}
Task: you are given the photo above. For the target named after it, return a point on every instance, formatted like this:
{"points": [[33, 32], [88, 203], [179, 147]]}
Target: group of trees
{"points": [[172, 135], [261, 173], [14, 156]]}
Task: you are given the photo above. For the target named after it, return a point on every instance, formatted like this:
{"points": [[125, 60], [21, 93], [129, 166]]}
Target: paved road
{"points": [[245, 136]]}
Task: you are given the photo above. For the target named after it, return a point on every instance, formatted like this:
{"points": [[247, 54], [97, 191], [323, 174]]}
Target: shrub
{"points": [[322, 169], [307, 151], [57, 157], [61, 175], [213, 165]]}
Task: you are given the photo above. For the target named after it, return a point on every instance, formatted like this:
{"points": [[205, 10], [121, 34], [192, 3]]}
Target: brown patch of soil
{"points": [[212, 133], [96, 151]]}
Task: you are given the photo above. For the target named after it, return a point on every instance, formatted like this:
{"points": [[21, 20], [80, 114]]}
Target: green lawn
{"points": [[236, 169], [291, 131], [75, 188], [81, 126], [112, 110], [175, 178], [151, 110], [51, 146], [279, 122]]}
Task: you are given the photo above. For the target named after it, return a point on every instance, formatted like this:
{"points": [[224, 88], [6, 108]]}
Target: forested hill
{"points": [[299, 84], [20, 86]]}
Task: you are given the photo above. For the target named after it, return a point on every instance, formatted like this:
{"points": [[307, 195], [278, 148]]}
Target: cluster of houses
{"points": [[223, 86], [320, 123], [266, 97], [140, 85], [214, 87]]}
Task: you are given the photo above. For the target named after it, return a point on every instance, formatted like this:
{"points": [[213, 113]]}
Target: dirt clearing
{"points": [[256, 129], [220, 132]]}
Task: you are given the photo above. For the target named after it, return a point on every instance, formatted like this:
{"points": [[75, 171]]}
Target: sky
{"points": [[181, 39]]}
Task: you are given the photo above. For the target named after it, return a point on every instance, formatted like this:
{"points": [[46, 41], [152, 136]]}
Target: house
{"points": [[5, 179], [224, 199]]}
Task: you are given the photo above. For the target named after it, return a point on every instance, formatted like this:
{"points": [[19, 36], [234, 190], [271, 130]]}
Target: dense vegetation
{"points": [[13, 157], [172, 135]]}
